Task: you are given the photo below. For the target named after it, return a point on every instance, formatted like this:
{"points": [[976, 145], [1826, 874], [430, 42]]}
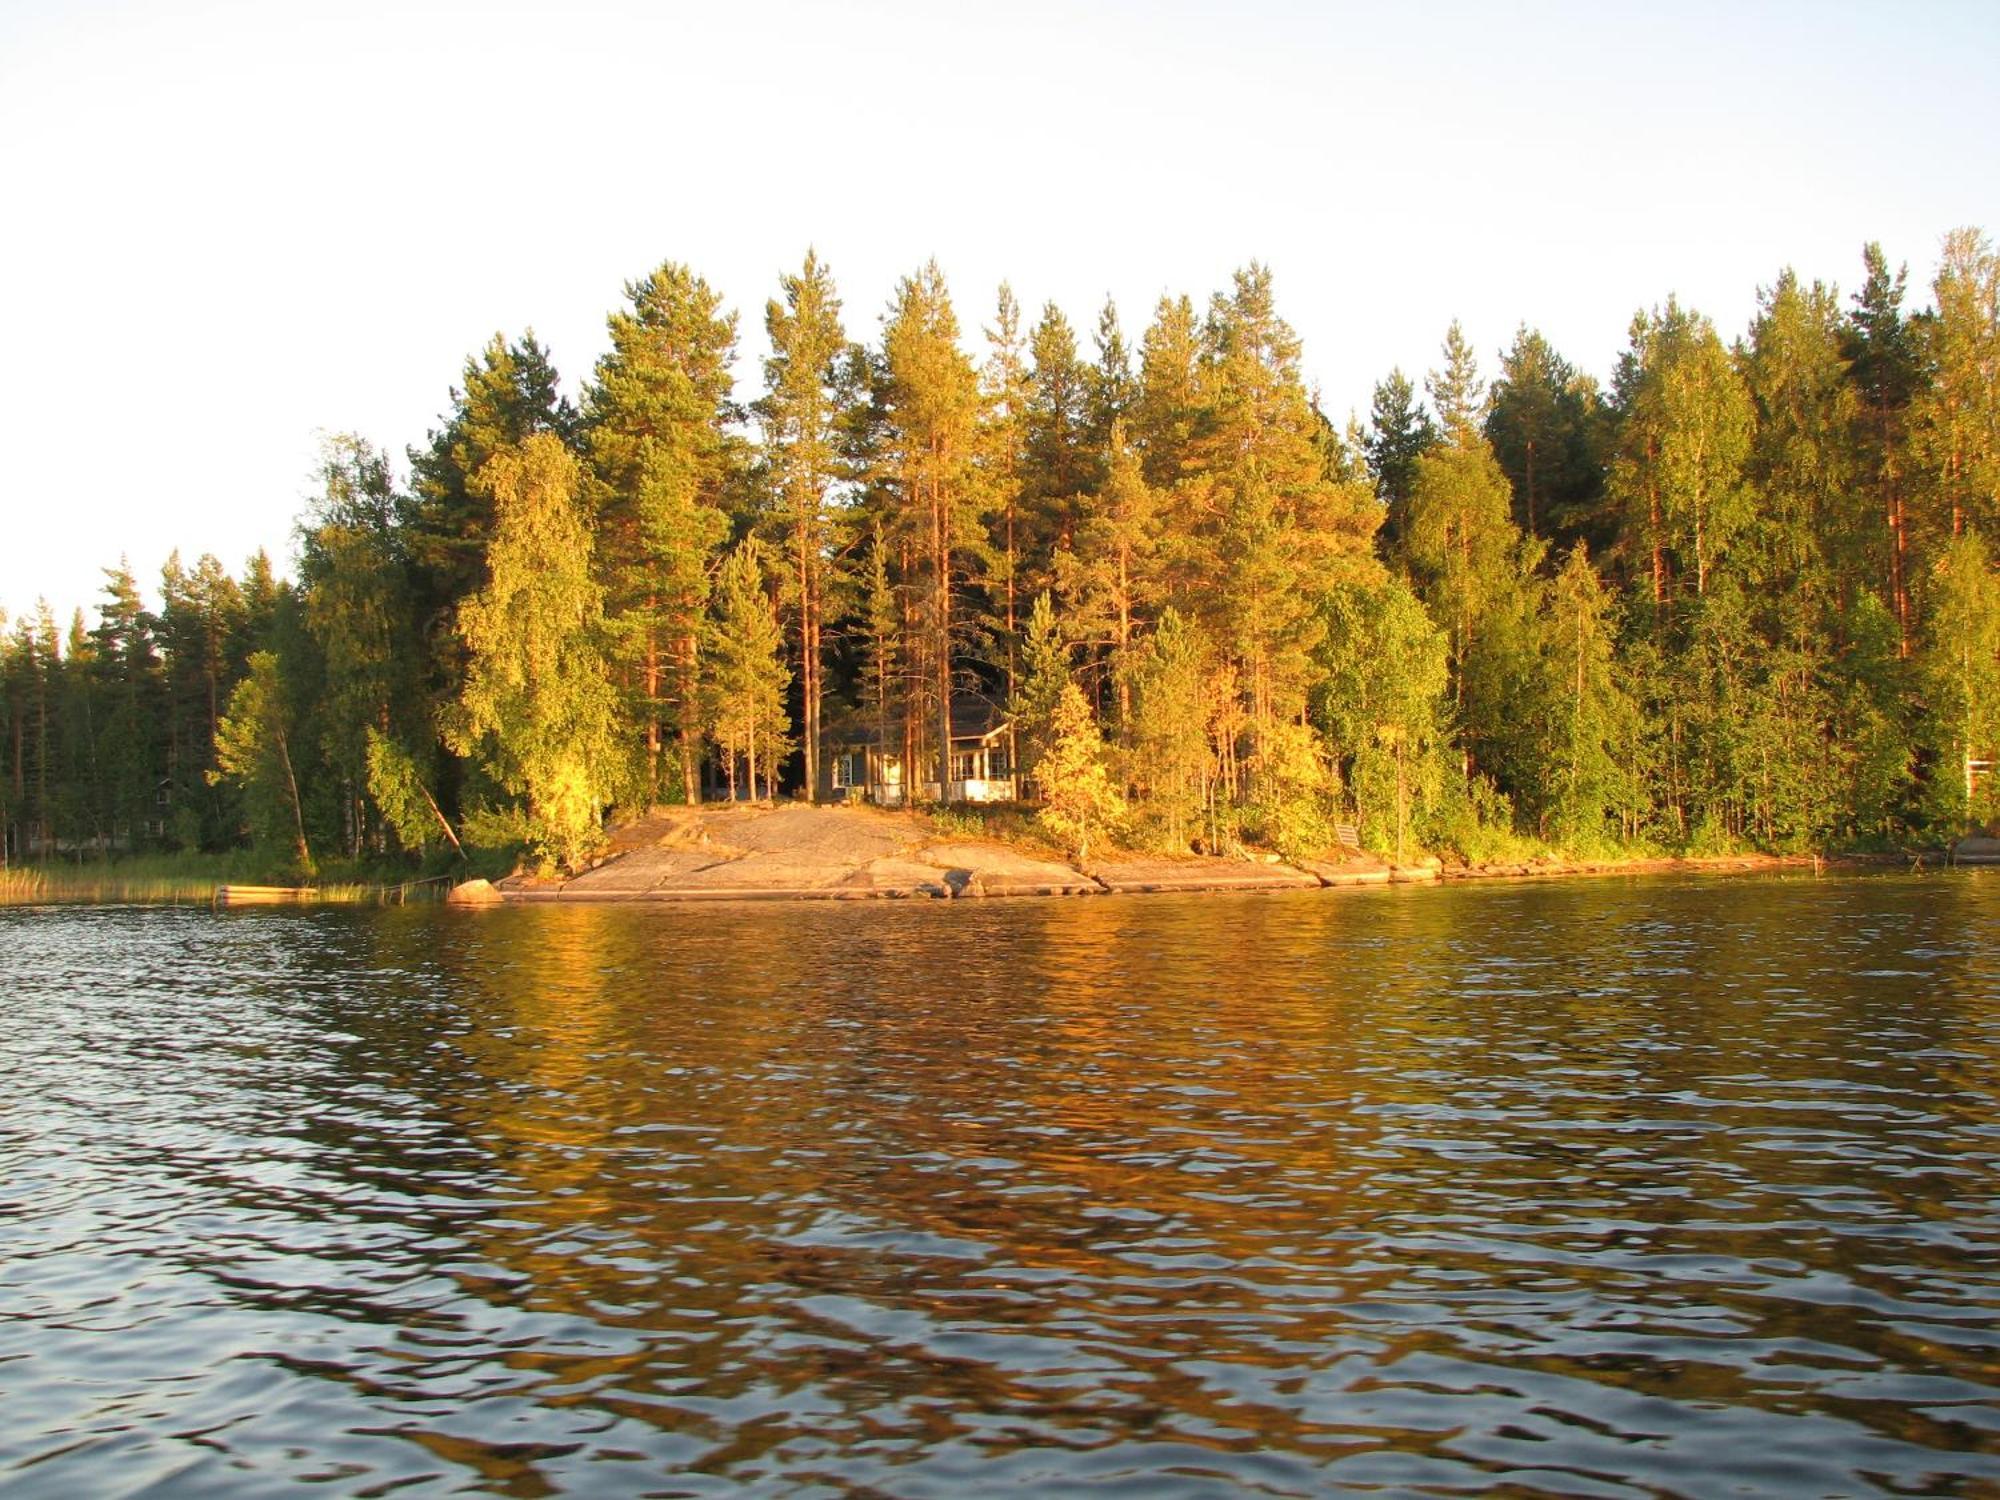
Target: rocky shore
{"points": [[800, 853]]}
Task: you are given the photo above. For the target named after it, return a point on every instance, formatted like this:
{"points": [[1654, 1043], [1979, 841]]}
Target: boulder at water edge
{"points": [[474, 893]]}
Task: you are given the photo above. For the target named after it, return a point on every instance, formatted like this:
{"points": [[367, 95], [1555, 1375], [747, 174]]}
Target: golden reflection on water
{"points": [[1494, 1183]]}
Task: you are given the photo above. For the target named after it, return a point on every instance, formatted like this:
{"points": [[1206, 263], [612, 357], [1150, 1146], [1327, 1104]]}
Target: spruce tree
{"points": [[1058, 470], [1456, 390], [1888, 374], [1079, 801], [509, 391], [1400, 432]]}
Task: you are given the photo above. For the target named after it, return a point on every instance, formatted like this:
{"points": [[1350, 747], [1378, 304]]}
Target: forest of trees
{"points": [[1745, 596]]}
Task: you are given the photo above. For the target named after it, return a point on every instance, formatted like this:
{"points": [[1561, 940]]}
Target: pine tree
{"points": [[879, 675], [1545, 423], [1167, 410], [801, 414], [1007, 389], [656, 428], [1170, 759], [1112, 578], [1282, 532], [933, 425], [1456, 390], [747, 676], [1956, 421]]}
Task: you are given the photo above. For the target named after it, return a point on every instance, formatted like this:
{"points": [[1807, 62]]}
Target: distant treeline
{"points": [[1743, 596]]}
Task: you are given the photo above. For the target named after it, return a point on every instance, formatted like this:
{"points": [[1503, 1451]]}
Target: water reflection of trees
{"points": [[1109, 1166]]}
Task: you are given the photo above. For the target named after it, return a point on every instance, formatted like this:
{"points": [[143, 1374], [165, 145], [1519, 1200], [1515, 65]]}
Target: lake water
{"points": [[1604, 1188]]}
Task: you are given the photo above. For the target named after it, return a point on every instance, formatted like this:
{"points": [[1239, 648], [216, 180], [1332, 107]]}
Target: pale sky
{"points": [[227, 227]]}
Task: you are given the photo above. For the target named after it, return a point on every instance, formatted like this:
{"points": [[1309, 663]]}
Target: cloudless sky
{"points": [[227, 227]]}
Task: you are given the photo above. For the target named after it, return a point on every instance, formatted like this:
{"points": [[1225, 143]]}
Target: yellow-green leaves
{"points": [[537, 706]]}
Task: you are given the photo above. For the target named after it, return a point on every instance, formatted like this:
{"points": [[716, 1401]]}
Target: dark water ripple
{"points": [[1601, 1189]]}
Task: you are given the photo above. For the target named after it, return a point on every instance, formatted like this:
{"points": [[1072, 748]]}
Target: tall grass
{"points": [[193, 880]]}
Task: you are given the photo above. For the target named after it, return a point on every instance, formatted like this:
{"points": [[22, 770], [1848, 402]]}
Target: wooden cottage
{"points": [[864, 769]]}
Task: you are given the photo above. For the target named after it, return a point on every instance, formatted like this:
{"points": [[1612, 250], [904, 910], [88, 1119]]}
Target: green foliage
{"points": [[1382, 707], [1079, 799], [1678, 472], [1956, 420], [1590, 717], [1293, 792], [253, 750], [937, 506], [801, 415], [1740, 601], [1960, 673], [1170, 760], [1872, 722], [1045, 677], [656, 428], [398, 790], [1547, 427], [537, 707], [1456, 390], [1400, 432], [747, 675]]}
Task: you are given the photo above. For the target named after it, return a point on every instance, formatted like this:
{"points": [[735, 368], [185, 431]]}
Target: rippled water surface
{"points": [[1599, 1188]]}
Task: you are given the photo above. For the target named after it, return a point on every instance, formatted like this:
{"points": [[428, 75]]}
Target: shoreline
{"points": [[761, 853]]}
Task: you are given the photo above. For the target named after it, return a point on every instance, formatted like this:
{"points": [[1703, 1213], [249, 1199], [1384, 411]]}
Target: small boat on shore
{"points": [[1975, 850]]}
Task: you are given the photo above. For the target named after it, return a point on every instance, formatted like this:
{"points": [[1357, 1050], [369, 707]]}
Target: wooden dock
{"points": [[264, 895]]}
